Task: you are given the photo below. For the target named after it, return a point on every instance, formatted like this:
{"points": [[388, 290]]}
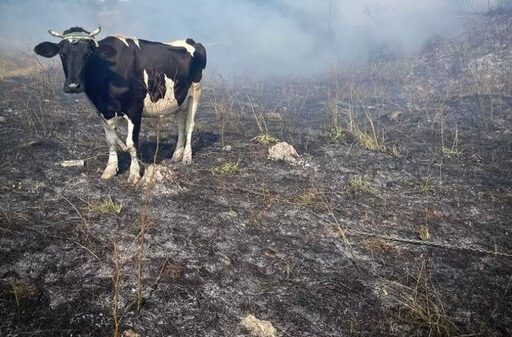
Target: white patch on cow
{"points": [[125, 39], [136, 41], [185, 115], [164, 106], [129, 134], [192, 104], [184, 44], [181, 119], [110, 133], [112, 166], [134, 164]]}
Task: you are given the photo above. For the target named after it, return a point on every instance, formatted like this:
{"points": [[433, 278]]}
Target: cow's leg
{"points": [[181, 119], [132, 140], [193, 103], [112, 166]]}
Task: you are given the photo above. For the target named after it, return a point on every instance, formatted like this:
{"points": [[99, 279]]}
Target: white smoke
{"points": [[256, 37]]}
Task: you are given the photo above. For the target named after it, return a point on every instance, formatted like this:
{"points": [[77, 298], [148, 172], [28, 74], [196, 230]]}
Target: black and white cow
{"points": [[129, 78]]}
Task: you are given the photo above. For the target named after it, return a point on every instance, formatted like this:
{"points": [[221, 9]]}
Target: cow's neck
{"points": [[96, 83]]}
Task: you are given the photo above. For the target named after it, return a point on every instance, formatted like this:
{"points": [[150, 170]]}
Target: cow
{"points": [[127, 78]]}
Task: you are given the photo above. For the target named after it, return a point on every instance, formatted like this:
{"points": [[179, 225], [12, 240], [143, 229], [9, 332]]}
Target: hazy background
{"points": [[259, 37]]}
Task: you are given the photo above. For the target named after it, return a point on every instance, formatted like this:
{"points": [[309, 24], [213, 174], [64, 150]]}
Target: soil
{"points": [[410, 238]]}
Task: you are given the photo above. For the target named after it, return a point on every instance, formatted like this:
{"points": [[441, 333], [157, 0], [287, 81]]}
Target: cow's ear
{"points": [[47, 49], [106, 51]]}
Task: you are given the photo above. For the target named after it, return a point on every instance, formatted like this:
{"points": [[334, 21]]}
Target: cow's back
{"points": [[144, 71]]}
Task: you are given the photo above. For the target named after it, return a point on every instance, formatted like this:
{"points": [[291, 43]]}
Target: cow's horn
{"points": [[56, 34], [95, 32]]}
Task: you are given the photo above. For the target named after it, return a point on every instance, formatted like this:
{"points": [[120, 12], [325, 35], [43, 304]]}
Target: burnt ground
{"points": [[400, 231]]}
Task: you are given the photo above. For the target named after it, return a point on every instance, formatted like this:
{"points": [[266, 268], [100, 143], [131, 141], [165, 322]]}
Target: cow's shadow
{"points": [[147, 149]]}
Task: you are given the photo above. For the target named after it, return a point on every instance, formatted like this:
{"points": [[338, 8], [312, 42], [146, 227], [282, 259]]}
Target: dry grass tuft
{"points": [[423, 305], [313, 199], [368, 140], [379, 246], [106, 206], [394, 150], [307, 198], [427, 186], [264, 137], [451, 152], [357, 183], [336, 134], [423, 233], [22, 291], [454, 150]]}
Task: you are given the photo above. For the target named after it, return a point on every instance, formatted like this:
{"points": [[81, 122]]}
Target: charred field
{"points": [[394, 222]]}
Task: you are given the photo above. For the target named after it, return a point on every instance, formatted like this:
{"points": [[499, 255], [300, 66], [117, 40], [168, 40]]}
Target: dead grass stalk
{"points": [[423, 303], [116, 281]]}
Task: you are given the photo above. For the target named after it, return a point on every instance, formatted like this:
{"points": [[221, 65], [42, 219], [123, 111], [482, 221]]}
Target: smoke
{"points": [[254, 37]]}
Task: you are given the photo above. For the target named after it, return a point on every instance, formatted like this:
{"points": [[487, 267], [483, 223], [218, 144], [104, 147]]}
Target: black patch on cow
{"points": [[198, 63], [106, 51]]}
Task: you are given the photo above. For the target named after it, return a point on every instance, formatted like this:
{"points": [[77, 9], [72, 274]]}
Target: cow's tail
{"points": [[198, 61]]}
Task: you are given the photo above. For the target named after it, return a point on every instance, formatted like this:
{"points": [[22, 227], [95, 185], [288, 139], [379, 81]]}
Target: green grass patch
{"points": [[265, 139], [227, 168]]}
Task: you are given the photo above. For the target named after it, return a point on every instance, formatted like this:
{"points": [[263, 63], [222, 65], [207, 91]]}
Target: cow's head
{"points": [[75, 50]]}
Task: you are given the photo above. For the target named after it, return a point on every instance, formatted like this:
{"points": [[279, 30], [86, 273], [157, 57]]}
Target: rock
{"points": [[276, 116], [395, 115], [251, 105], [130, 333], [258, 328], [283, 151], [227, 148]]}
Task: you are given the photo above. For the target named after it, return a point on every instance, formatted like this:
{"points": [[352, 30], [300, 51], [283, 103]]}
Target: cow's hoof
{"points": [[109, 172], [133, 178], [177, 156], [187, 159]]}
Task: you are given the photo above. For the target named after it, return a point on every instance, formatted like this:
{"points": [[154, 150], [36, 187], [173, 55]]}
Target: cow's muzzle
{"points": [[73, 88]]}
